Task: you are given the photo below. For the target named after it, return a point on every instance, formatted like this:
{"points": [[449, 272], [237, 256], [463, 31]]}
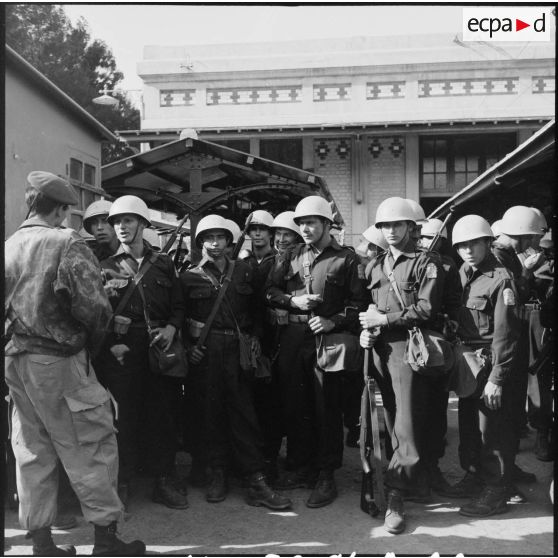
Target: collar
{"points": [[333, 244], [409, 250], [120, 252], [486, 267], [36, 222], [205, 260]]}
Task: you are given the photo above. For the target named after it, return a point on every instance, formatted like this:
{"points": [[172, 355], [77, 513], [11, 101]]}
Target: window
{"points": [[89, 174], [449, 163], [76, 170], [286, 151], [83, 176]]}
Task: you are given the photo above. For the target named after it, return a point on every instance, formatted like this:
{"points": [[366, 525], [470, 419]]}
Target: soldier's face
{"points": [[102, 230], [396, 233], [215, 243], [311, 229], [261, 236], [127, 228], [284, 238], [473, 251]]}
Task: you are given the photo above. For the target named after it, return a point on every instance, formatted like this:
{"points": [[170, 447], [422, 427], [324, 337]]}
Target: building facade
{"points": [[417, 116]]}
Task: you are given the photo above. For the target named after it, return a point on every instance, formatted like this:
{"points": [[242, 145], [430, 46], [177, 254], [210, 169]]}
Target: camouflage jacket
{"points": [[55, 298]]}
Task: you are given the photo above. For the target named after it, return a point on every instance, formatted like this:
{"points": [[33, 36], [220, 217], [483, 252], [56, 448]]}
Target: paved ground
{"points": [[233, 528]]}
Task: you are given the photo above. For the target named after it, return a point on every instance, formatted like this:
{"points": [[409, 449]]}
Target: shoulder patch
{"points": [[509, 297], [431, 271], [360, 269]]}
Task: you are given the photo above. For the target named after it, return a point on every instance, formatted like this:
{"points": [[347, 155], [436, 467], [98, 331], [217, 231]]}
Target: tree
{"points": [[44, 35]]}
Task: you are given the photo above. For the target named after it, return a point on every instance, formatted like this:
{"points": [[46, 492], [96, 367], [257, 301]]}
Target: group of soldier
{"points": [[274, 341]]}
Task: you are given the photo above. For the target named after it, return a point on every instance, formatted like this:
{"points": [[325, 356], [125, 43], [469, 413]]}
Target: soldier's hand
{"points": [[112, 274], [163, 336], [195, 354], [372, 318], [492, 396], [306, 301], [534, 260], [318, 324], [119, 351], [367, 339]]}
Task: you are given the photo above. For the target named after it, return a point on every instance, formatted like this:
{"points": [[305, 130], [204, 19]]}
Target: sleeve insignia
{"points": [[509, 297], [431, 271], [360, 269]]}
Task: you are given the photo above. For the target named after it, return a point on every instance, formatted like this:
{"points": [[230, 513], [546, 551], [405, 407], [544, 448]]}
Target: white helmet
{"points": [[313, 205], [100, 207], [129, 204], [431, 227], [374, 235], [521, 220], [210, 222], [394, 209], [419, 212], [261, 217], [235, 230], [497, 228], [542, 218], [285, 220], [469, 228]]}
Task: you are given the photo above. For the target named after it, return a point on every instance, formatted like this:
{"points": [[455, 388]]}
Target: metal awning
{"points": [[531, 164], [200, 177]]}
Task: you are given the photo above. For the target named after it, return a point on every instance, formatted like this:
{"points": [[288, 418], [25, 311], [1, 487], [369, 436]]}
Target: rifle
{"points": [[241, 238], [175, 233], [437, 236]]}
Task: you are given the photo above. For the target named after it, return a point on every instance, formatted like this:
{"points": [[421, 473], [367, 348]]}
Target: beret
{"points": [[53, 187]]}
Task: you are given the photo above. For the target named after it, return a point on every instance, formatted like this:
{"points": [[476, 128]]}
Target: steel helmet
{"points": [[521, 220], [431, 227], [419, 212], [261, 217], [129, 204], [210, 222], [285, 220], [394, 209], [100, 207], [313, 205], [235, 230], [497, 228], [469, 228], [374, 235], [543, 223]]}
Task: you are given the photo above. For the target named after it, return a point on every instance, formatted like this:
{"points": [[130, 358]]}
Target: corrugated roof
{"points": [[56, 94]]}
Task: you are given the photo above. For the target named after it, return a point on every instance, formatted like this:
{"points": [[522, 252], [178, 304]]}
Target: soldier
{"points": [[521, 230], [419, 277], [285, 232], [145, 399], [95, 223], [488, 320], [57, 312], [222, 412], [321, 284]]}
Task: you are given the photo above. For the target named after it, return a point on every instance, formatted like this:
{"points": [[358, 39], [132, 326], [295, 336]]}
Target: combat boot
{"points": [[299, 478], [470, 485], [260, 494], [394, 521], [521, 476], [491, 501], [542, 446], [43, 544], [167, 494], [324, 491], [217, 489], [108, 544]]}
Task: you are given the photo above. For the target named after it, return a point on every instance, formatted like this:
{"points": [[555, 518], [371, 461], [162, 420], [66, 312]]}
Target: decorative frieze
{"points": [[254, 95], [543, 84], [460, 87], [332, 92], [176, 97], [394, 145], [385, 90]]}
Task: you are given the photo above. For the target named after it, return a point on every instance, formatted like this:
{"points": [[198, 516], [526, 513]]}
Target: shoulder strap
{"points": [[306, 268], [222, 290], [393, 282]]}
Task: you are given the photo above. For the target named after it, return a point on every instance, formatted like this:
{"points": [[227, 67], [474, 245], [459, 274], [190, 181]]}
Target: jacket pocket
{"points": [[91, 413], [408, 292], [200, 293], [480, 308]]}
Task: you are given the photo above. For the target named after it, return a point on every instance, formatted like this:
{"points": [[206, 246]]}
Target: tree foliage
{"points": [[81, 67]]}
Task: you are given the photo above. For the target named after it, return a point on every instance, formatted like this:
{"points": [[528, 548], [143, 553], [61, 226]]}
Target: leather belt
{"points": [[298, 318], [231, 332]]}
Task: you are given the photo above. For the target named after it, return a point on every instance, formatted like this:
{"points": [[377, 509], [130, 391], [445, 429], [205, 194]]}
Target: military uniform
{"points": [[59, 312], [488, 319], [145, 400], [311, 399], [221, 412], [419, 276]]}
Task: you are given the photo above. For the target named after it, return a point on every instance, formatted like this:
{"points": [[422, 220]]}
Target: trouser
{"points": [[146, 423], [413, 392], [222, 417], [436, 424], [483, 432], [266, 404], [353, 384], [62, 413], [295, 380]]}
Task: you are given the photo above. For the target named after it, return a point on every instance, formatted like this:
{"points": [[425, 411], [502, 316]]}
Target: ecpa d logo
{"points": [[507, 24]]}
